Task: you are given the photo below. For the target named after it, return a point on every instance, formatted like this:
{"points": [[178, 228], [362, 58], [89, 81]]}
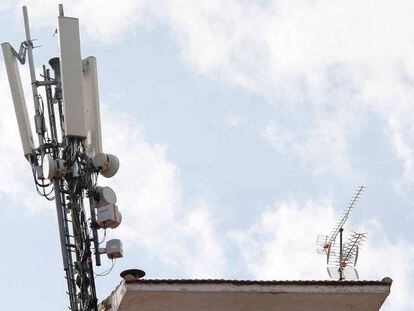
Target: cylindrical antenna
{"points": [[55, 64]]}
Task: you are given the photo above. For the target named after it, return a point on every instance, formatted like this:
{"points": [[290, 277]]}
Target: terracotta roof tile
{"points": [[386, 281]]}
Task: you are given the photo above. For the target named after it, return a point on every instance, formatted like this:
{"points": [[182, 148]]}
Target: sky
{"points": [[243, 129]]}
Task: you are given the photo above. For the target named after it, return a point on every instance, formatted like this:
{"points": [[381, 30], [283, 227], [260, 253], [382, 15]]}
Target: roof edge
{"points": [[384, 282], [257, 286]]}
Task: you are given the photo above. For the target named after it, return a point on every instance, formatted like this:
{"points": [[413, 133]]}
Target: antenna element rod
{"points": [[29, 45]]}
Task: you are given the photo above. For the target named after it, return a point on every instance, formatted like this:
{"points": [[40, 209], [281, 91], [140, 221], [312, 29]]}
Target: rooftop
{"points": [[239, 295]]}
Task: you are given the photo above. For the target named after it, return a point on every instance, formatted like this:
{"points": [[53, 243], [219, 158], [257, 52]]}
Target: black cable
{"points": [[37, 183]]}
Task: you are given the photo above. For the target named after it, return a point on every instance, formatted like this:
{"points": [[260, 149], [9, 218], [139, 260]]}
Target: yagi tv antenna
{"points": [[341, 258], [68, 156]]}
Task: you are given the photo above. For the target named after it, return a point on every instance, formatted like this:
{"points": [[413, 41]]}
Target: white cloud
{"points": [[325, 64], [324, 145], [281, 245], [208, 257], [344, 58], [392, 258], [176, 230], [180, 232], [186, 237], [335, 60], [104, 21]]}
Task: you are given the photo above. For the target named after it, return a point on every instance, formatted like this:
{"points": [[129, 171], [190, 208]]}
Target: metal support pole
{"points": [[94, 230], [341, 277], [64, 241], [59, 212]]}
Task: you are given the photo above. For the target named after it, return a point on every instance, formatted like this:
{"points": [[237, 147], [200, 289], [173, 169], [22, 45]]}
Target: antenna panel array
{"points": [[71, 75], [18, 99], [91, 102]]}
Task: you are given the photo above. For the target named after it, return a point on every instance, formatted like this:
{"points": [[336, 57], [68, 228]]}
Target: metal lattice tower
{"points": [[68, 157]]}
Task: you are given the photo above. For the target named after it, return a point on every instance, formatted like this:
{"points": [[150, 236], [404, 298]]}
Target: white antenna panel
{"points": [[71, 75], [91, 102], [18, 99]]}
